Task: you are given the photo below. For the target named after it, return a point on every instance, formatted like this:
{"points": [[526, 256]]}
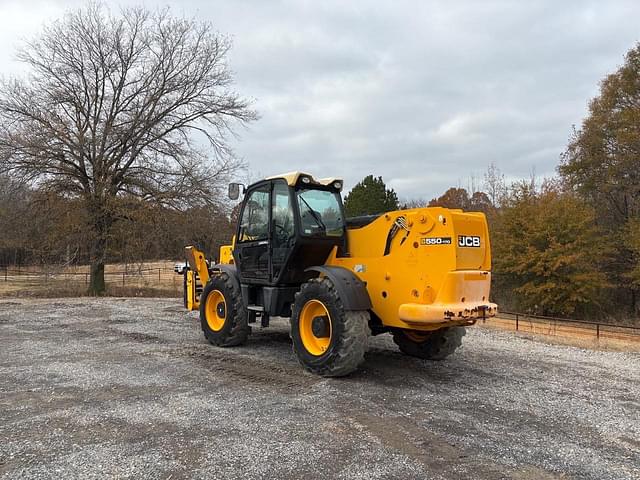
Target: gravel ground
{"points": [[128, 388]]}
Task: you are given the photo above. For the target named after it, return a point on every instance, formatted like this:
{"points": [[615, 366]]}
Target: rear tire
{"points": [[222, 314], [340, 340], [436, 345]]}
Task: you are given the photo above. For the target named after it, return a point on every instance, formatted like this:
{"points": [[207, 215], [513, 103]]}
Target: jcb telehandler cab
{"points": [[421, 274]]}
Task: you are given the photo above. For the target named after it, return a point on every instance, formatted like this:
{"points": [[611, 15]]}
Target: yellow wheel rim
{"points": [[216, 310], [315, 345]]}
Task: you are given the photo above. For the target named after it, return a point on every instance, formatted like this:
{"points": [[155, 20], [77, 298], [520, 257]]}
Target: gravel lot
{"points": [[128, 388]]}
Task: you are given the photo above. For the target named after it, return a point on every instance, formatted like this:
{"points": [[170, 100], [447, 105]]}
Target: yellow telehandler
{"points": [[421, 274]]}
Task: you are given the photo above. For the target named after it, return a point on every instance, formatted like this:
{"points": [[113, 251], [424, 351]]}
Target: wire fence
{"points": [[567, 327], [134, 280]]}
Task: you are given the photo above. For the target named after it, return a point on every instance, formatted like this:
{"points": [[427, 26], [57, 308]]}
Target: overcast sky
{"points": [[426, 94]]}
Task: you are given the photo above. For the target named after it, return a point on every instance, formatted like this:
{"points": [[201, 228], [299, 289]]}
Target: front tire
{"points": [[436, 345], [328, 340], [222, 314]]}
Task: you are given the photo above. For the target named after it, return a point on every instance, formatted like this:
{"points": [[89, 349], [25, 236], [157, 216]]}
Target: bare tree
{"points": [[122, 104], [494, 184], [408, 203]]}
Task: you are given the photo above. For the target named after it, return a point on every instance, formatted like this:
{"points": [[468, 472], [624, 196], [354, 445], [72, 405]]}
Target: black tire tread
{"points": [[437, 346], [240, 330], [349, 352]]}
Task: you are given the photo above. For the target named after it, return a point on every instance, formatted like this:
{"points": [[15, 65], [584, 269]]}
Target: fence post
{"points": [[158, 275], [123, 279], [516, 322], [6, 270], [598, 331]]}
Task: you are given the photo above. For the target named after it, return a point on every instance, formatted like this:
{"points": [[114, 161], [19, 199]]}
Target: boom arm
{"points": [[198, 263], [198, 270]]}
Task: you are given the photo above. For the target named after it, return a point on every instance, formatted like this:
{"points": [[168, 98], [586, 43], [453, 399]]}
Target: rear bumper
{"points": [[463, 296], [420, 314]]}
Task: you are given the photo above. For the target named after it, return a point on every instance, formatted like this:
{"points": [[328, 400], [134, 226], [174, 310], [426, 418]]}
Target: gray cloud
{"points": [[425, 94]]}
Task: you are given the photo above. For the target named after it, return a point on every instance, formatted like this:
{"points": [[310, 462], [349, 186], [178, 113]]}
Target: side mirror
{"points": [[234, 191]]}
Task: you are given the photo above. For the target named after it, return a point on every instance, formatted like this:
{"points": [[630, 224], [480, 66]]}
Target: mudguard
{"points": [[352, 290]]}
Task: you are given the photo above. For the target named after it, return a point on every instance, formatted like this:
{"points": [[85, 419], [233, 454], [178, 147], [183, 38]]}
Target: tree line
{"points": [[40, 227], [570, 245]]}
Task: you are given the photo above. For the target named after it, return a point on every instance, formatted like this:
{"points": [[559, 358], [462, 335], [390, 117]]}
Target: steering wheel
{"points": [[281, 233]]}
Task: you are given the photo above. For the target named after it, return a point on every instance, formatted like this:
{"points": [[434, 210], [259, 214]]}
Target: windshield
{"points": [[320, 213]]}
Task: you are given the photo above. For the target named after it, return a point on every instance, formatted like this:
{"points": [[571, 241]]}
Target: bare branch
{"points": [[112, 96]]}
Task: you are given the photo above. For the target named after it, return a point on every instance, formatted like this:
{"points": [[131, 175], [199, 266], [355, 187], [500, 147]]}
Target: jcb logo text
{"points": [[468, 241]]}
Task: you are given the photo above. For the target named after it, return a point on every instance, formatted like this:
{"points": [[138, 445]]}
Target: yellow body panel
{"points": [[226, 254], [427, 280], [193, 300]]}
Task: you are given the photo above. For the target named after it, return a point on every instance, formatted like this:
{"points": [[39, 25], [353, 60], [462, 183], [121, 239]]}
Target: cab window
{"points": [[283, 227], [282, 215], [254, 225], [320, 213]]}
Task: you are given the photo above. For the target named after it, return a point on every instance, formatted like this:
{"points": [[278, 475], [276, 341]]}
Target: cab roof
{"points": [[292, 179]]}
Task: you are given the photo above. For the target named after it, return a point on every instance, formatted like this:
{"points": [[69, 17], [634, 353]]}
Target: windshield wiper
{"points": [[314, 214]]}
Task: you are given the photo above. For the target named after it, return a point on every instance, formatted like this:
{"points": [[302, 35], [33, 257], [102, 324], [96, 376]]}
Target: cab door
{"points": [[283, 232], [252, 240]]}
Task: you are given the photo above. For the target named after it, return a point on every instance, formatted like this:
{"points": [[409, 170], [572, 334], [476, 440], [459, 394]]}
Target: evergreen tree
{"points": [[370, 196]]}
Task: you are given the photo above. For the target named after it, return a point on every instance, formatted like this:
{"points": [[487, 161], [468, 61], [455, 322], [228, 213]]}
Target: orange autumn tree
{"points": [[545, 250], [601, 164]]}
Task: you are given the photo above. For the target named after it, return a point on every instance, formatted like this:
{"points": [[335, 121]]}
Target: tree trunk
{"points": [[100, 223], [97, 258], [97, 285]]}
